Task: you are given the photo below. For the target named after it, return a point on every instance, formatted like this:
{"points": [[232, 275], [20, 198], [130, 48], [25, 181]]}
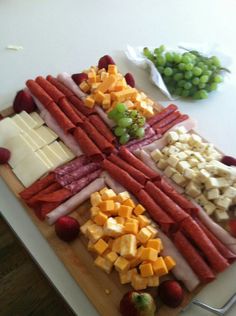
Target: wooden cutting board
{"points": [[104, 291]]}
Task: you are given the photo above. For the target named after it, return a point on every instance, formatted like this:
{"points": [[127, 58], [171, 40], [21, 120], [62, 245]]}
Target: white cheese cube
{"points": [[179, 179], [165, 151], [209, 208], [169, 171], [181, 155], [195, 139], [201, 147], [179, 145], [172, 160], [212, 183], [223, 202], [172, 137], [181, 130], [223, 183], [184, 138], [156, 155], [201, 165], [128, 246], [202, 200], [213, 194], [198, 156], [192, 189], [189, 173], [182, 166], [112, 228], [203, 175], [230, 192], [94, 232], [221, 215], [173, 150], [162, 164], [193, 162]]}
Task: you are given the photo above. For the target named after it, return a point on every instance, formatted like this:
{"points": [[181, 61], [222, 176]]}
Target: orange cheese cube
{"points": [[94, 210], [159, 267], [110, 243], [98, 78], [95, 199], [129, 202], [139, 209], [104, 75], [100, 218], [103, 190], [120, 220], [149, 254], [103, 264], [107, 205], [99, 97], [153, 230], [107, 84], [153, 281], [101, 70], [137, 260], [146, 270], [123, 196], [84, 86], [125, 277], [116, 245], [94, 232], [91, 77], [85, 226], [143, 221], [94, 86], [155, 244], [116, 208], [131, 228], [109, 194], [106, 103], [121, 96], [132, 220], [112, 69], [125, 211], [128, 246], [112, 256], [138, 282], [100, 246], [89, 102], [143, 235], [170, 262], [121, 264]]}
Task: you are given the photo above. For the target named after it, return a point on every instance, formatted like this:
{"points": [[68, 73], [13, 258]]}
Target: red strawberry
{"points": [[67, 228], [23, 102], [137, 304], [232, 227], [171, 293], [5, 155], [105, 61], [78, 78], [130, 79], [229, 161]]}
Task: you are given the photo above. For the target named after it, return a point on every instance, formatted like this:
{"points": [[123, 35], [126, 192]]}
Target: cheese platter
{"points": [[82, 140]]}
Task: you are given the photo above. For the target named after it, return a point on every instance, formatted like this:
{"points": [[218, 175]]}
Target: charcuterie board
{"points": [[104, 291]]}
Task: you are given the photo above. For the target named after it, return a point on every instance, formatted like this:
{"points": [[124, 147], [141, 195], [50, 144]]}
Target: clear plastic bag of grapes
{"points": [[191, 71]]}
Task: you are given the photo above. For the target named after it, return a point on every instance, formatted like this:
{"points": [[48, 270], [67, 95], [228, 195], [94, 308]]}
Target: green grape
{"points": [[169, 57], [197, 95], [141, 120], [213, 68], [157, 51], [204, 79], [168, 71], [203, 94], [178, 76], [201, 85], [181, 66], [133, 113], [162, 48], [161, 69], [178, 91], [140, 132], [119, 131], [207, 73], [124, 138], [167, 79], [215, 61], [185, 93], [189, 66], [195, 81], [177, 58], [147, 53], [125, 122], [188, 74], [112, 114], [192, 90], [187, 86], [213, 86], [181, 83], [200, 64], [132, 129], [186, 59], [161, 61], [120, 107], [197, 71], [217, 79]]}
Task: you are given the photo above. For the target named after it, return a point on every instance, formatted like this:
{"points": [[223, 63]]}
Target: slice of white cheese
{"points": [[67, 150], [58, 149], [28, 119], [30, 169], [8, 129], [37, 119], [31, 142], [46, 134], [45, 159], [21, 123], [52, 156], [36, 138]]}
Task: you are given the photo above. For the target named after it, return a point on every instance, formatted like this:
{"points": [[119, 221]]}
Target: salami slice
{"points": [[167, 120], [79, 104], [103, 144], [135, 173], [193, 258], [102, 128], [87, 145], [69, 111], [78, 185], [173, 209], [37, 186], [138, 164], [158, 117], [77, 174], [157, 213], [171, 124], [122, 177], [66, 91], [215, 259], [39, 93], [72, 165], [149, 132], [54, 93]]}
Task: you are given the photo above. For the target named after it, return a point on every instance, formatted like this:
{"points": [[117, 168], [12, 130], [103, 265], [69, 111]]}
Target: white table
{"points": [[70, 36]]}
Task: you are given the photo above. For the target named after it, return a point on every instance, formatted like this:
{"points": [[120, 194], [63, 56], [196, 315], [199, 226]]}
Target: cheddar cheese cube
{"points": [[90, 245], [139, 210], [143, 220], [103, 264], [99, 97], [146, 270], [149, 254], [137, 260], [109, 194], [120, 220], [107, 83], [153, 281], [125, 211], [159, 267], [106, 101], [110, 243], [91, 77], [103, 190], [100, 218], [94, 210], [143, 235], [170, 262], [89, 102], [129, 202], [130, 227], [95, 199], [138, 282], [100, 246], [125, 277], [85, 226], [153, 230], [112, 69], [107, 205], [128, 248], [121, 264], [94, 232], [84, 86], [155, 244], [116, 245], [121, 96], [104, 75], [123, 196], [112, 228], [112, 256]]}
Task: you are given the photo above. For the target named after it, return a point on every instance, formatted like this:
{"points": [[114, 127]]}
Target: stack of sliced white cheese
{"points": [[33, 146], [193, 164]]}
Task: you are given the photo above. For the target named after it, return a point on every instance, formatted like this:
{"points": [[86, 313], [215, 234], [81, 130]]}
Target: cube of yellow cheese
{"points": [[125, 211], [153, 281], [100, 246], [125, 277], [153, 230], [112, 69], [107, 83], [170, 262], [116, 208], [128, 248], [90, 245], [159, 267], [94, 210], [116, 245], [137, 260], [104, 75], [106, 101], [84, 86], [103, 264], [138, 282], [85, 226], [107, 205], [121, 264], [100, 218], [120, 220], [146, 269], [112, 228], [91, 77], [94, 232], [129, 202], [99, 97], [103, 190], [120, 85], [149, 254], [155, 244], [123, 196], [95, 199], [108, 194], [112, 256], [126, 94], [143, 220], [139, 209], [143, 235], [130, 227], [89, 102]]}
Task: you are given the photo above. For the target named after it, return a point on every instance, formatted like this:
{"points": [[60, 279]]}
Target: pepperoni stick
{"points": [[102, 128], [60, 86], [173, 123], [167, 120], [51, 188], [39, 93], [54, 93], [68, 109], [158, 117], [79, 104]]}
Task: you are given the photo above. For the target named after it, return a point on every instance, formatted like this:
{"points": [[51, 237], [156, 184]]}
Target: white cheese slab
{"points": [[46, 134], [30, 169], [28, 119], [8, 129], [31, 142], [52, 156], [45, 158], [21, 123], [67, 150], [36, 138], [37, 119], [58, 149]]}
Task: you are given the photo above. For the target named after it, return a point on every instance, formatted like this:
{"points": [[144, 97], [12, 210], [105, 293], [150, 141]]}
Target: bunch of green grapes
{"points": [[129, 123], [189, 74]]}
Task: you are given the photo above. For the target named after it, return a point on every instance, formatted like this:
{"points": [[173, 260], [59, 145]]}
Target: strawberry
{"points": [[171, 293], [105, 61], [137, 304], [80, 77], [232, 227], [67, 228], [229, 161], [130, 79], [23, 102], [5, 155]]}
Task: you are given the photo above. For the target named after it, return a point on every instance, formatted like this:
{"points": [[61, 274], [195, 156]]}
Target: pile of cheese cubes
{"points": [[124, 238], [107, 88], [193, 164]]}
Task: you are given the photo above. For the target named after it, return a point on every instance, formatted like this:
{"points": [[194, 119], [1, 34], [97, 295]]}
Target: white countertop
{"points": [[72, 35]]}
